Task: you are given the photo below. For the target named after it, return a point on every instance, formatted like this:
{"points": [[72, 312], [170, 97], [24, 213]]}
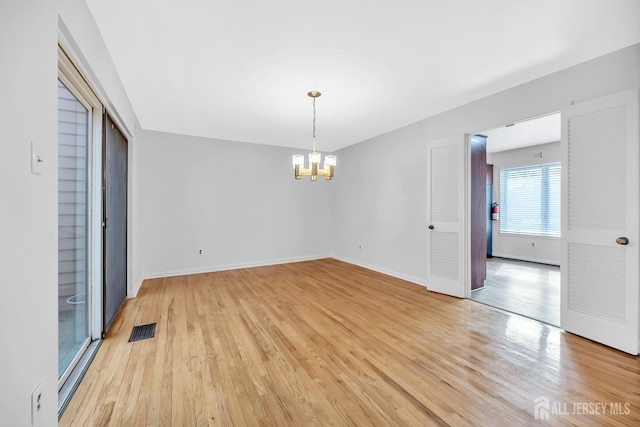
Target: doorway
{"points": [[515, 218]]}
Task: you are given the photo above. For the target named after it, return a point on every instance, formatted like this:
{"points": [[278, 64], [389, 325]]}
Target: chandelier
{"points": [[314, 157]]}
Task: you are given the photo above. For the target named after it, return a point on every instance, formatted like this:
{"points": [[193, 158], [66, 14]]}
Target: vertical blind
{"points": [[530, 200]]}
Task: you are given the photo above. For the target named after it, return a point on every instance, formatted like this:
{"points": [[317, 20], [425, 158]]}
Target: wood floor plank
{"points": [[330, 344]]}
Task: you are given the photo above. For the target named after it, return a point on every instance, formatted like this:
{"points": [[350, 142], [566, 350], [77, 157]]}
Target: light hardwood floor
{"points": [[328, 343], [526, 288]]}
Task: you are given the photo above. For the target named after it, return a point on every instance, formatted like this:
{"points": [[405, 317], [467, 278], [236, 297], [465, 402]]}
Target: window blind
{"points": [[530, 200]]}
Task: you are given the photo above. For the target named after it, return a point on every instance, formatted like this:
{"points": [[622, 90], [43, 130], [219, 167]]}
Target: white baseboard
{"points": [[522, 258], [212, 269], [392, 273]]}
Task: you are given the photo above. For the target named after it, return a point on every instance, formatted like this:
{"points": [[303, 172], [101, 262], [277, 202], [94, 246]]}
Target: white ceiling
{"points": [[240, 69], [540, 130]]}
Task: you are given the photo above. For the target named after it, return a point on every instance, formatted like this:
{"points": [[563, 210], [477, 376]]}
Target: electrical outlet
{"points": [[360, 246], [200, 251], [533, 244], [36, 404]]}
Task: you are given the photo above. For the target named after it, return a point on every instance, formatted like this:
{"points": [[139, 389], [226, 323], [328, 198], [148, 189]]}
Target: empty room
{"points": [[263, 213]]}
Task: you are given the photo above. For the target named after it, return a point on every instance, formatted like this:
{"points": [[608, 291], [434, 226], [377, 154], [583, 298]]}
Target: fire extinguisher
{"points": [[495, 211]]}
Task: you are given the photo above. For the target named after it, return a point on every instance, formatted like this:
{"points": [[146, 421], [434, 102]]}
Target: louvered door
{"points": [[445, 211], [600, 214]]}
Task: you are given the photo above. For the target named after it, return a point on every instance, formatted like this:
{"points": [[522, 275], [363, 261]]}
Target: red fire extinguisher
{"points": [[495, 211]]}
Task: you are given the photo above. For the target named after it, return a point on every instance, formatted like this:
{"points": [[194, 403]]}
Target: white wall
{"points": [[28, 203], [379, 219], [28, 211], [545, 249], [237, 201], [381, 200]]}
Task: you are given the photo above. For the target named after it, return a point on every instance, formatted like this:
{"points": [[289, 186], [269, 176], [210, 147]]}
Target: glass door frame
{"points": [[77, 85]]}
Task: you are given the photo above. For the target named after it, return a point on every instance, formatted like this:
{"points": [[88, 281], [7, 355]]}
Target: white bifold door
{"points": [[445, 212], [600, 220]]}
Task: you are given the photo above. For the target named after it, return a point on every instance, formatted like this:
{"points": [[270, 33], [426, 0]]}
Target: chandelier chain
{"points": [[314, 124]]}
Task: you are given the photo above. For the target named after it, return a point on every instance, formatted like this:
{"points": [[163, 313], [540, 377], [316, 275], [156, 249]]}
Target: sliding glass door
{"points": [[73, 245], [79, 217]]}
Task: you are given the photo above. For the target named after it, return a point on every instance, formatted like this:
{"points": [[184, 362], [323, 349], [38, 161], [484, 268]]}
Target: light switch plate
{"points": [[37, 162]]}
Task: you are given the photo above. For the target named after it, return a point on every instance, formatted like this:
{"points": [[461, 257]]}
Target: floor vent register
{"points": [[142, 332]]}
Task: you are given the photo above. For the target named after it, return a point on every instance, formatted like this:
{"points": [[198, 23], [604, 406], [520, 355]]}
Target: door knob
{"points": [[431, 227], [622, 241]]}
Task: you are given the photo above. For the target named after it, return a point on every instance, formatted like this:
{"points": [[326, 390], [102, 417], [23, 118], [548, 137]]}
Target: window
{"points": [[530, 200]]}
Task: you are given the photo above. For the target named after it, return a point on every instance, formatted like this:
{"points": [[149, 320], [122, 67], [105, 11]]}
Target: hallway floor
{"points": [[521, 287]]}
